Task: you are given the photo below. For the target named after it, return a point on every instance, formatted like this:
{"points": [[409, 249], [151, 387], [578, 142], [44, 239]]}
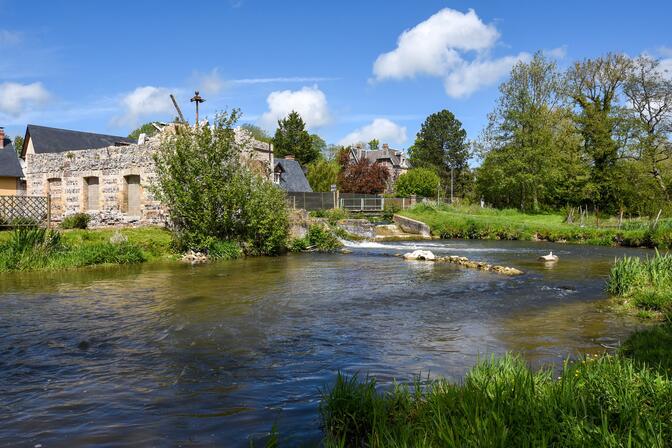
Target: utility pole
{"points": [[451, 185], [197, 99]]}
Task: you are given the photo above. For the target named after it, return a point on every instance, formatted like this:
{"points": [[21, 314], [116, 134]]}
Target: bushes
{"points": [[76, 221], [319, 238], [211, 196], [607, 401], [419, 181]]}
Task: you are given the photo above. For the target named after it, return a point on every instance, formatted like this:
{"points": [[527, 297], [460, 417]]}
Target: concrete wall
{"points": [[409, 225]]}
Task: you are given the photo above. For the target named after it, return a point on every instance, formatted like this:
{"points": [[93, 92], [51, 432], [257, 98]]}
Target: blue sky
{"points": [[346, 65]]}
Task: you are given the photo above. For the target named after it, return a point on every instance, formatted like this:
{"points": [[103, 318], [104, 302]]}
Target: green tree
{"points": [[292, 138], [441, 144], [593, 85], [319, 146], [530, 147], [147, 128], [374, 144], [257, 133], [649, 94], [322, 174], [211, 196], [18, 144], [419, 181]]}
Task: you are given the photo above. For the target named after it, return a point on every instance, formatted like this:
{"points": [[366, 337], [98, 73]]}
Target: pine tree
{"points": [[291, 138]]}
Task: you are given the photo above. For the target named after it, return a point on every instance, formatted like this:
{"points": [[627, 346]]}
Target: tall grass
{"points": [[605, 401], [39, 248], [645, 283]]}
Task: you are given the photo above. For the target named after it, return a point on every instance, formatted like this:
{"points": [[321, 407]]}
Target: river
{"points": [[215, 355]]}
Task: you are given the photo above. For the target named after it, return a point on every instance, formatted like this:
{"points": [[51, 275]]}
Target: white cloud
{"points": [[665, 51], [16, 98], [557, 53], [385, 130], [309, 102], [451, 45], [147, 101], [210, 83], [665, 68], [471, 76]]}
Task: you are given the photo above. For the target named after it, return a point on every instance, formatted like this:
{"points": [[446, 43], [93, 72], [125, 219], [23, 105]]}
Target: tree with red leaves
{"points": [[363, 177]]}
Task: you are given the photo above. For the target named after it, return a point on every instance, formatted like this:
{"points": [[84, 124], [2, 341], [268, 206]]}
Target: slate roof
{"points": [[47, 140], [292, 177], [394, 156], [9, 161]]}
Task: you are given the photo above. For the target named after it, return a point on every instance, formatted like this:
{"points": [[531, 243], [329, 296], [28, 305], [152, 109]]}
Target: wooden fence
{"points": [[25, 211]]}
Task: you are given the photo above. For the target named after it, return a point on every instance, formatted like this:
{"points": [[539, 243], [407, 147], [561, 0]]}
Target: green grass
{"points": [[473, 222], [603, 401], [643, 285], [37, 249]]}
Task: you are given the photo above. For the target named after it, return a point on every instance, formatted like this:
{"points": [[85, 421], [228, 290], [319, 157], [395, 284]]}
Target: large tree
{"points": [[322, 174], [211, 195], [362, 177], [593, 85], [291, 138], [649, 94], [530, 149], [441, 144]]}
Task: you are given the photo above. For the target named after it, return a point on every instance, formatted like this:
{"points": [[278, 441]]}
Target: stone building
{"points": [[394, 160], [111, 182]]}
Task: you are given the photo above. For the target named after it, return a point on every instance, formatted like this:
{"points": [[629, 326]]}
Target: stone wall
{"points": [[64, 176]]}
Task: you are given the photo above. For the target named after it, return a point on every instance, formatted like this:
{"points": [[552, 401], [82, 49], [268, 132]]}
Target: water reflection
{"points": [[212, 355]]}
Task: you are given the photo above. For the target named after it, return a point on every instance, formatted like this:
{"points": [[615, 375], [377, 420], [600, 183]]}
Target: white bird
{"points": [[549, 257]]}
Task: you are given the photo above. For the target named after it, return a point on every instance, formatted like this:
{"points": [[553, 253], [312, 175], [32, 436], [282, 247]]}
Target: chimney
{"points": [[386, 147], [289, 157], [2, 138]]}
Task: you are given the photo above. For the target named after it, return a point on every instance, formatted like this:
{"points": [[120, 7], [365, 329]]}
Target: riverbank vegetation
{"points": [[45, 249], [213, 195], [596, 401], [474, 222], [643, 285]]}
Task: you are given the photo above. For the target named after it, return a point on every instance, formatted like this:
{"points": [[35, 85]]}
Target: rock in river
{"points": [[420, 255]]}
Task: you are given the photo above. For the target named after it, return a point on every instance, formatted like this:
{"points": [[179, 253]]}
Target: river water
{"points": [[215, 355]]}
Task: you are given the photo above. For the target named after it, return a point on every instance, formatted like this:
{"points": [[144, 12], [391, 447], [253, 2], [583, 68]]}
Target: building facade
{"points": [[113, 183]]}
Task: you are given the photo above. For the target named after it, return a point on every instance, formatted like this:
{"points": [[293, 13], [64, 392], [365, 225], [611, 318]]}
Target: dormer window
{"points": [[276, 177]]}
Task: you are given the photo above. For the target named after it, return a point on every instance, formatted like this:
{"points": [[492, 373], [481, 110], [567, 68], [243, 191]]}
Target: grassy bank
{"points": [[603, 401], [36, 249], [643, 285], [473, 222]]}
